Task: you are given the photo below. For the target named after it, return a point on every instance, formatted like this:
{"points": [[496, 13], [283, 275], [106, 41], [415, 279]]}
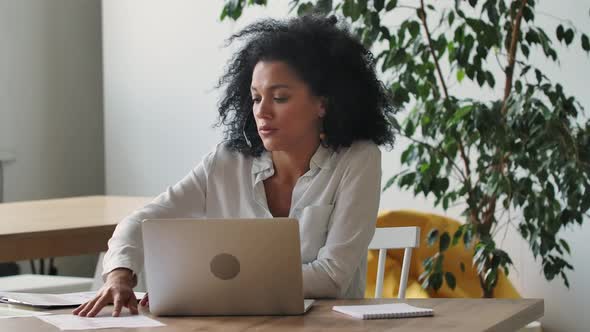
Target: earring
{"points": [[322, 130]]}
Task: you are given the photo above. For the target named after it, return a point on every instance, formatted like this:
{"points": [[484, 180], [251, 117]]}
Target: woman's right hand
{"points": [[118, 289]]}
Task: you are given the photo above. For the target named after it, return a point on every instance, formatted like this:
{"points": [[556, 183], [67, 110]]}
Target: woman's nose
{"points": [[263, 109]]}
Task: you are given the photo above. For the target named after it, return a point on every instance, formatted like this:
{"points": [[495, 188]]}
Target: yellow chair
{"points": [[467, 282]]}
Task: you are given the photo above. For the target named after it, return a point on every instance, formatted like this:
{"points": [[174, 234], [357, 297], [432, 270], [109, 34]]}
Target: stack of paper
{"points": [[104, 321], [10, 312], [50, 301], [68, 321]]}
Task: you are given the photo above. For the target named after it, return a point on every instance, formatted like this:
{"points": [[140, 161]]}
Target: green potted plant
{"points": [[522, 158]]}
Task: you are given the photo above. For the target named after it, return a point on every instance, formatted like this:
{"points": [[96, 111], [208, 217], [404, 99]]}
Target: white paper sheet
{"points": [[7, 311], [102, 321], [49, 300]]}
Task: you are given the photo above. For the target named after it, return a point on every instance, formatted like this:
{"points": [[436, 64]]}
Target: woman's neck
{"points": [[291, 165]]}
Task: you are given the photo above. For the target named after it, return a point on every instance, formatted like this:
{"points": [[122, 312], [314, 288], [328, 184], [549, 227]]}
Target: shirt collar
{"points": [[320, 159]]}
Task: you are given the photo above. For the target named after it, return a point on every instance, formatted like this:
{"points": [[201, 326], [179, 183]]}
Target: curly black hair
{"points": [[333, 63]]}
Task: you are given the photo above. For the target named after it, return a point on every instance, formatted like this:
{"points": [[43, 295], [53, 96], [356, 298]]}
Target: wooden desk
{"points": [[61, 227], [455, 315]]}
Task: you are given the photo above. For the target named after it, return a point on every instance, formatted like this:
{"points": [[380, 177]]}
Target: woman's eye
{"points": [[280, 99], [256, 100]]}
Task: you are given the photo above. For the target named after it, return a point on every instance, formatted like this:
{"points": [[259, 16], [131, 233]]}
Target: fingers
{"points": [[80, 307], [83, 309], [118, 305], [98, 305], [145, 301], [132, 305], [121, 298]]}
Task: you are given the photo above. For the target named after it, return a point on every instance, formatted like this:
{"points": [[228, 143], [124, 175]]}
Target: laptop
{"points": [[211, 267]]}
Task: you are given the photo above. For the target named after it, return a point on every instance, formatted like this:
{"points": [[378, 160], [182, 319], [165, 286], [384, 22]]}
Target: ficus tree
{"points": [[519, 160]]}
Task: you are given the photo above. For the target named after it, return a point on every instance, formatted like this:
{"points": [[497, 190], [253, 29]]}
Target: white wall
{"points": [[51, 102], [161, 62]]}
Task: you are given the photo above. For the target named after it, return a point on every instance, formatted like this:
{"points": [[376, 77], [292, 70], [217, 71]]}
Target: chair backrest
{"points": [[394, 238]]}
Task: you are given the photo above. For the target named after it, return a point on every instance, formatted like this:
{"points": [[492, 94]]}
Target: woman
{"points": [[303, 113]]}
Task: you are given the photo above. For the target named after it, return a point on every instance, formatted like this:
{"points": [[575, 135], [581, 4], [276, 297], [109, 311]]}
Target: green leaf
{"points": [[460, 75], [424, 167], [223, 13], [323, 6], [407, 180], [559, 32], [565, 245], [538, 75], [568, 36], [378, 4], [304, 8], [351, 9], [450, 279], [585, 43], [414, 28], [565, 281], [479, 254], [407, 154], [460, 114], [525, 50], [347, 8], [490, 277], [410, 128], [528, 14], [436, 280], [390, 5], [445, 240], [493, 14], [457, 236], [389, 183], [518, 86], [356, 12], [451, 18], [481, 77], [427, 263], [490, 79], [432, 237]]}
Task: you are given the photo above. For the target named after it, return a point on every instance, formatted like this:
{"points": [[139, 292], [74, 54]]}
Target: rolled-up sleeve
{"points": [[186, 199], [351, 227]]}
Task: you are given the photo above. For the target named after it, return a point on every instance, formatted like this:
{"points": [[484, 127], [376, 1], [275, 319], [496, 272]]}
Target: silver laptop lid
{"points": [[223, 266]]}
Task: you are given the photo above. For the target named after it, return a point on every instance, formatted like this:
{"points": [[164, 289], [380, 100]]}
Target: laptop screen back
{"points": [[223, 266]]}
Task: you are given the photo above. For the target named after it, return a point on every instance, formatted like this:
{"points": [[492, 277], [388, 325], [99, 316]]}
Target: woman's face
{"points": [[287, 115]]}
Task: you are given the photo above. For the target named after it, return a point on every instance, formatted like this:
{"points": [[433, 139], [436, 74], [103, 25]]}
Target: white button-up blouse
{"points": [[335, 202]]}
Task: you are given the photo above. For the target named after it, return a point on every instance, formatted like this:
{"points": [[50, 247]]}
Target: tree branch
{"points": [[422, 15], [467, 175], [489, 214], [512, 54]]}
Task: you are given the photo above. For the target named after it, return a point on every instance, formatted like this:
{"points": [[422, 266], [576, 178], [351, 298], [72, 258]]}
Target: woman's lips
{"points": [[266, 130]]}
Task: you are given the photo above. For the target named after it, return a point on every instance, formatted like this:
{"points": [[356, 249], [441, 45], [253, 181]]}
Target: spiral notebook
{"points": [[378, 311]]}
